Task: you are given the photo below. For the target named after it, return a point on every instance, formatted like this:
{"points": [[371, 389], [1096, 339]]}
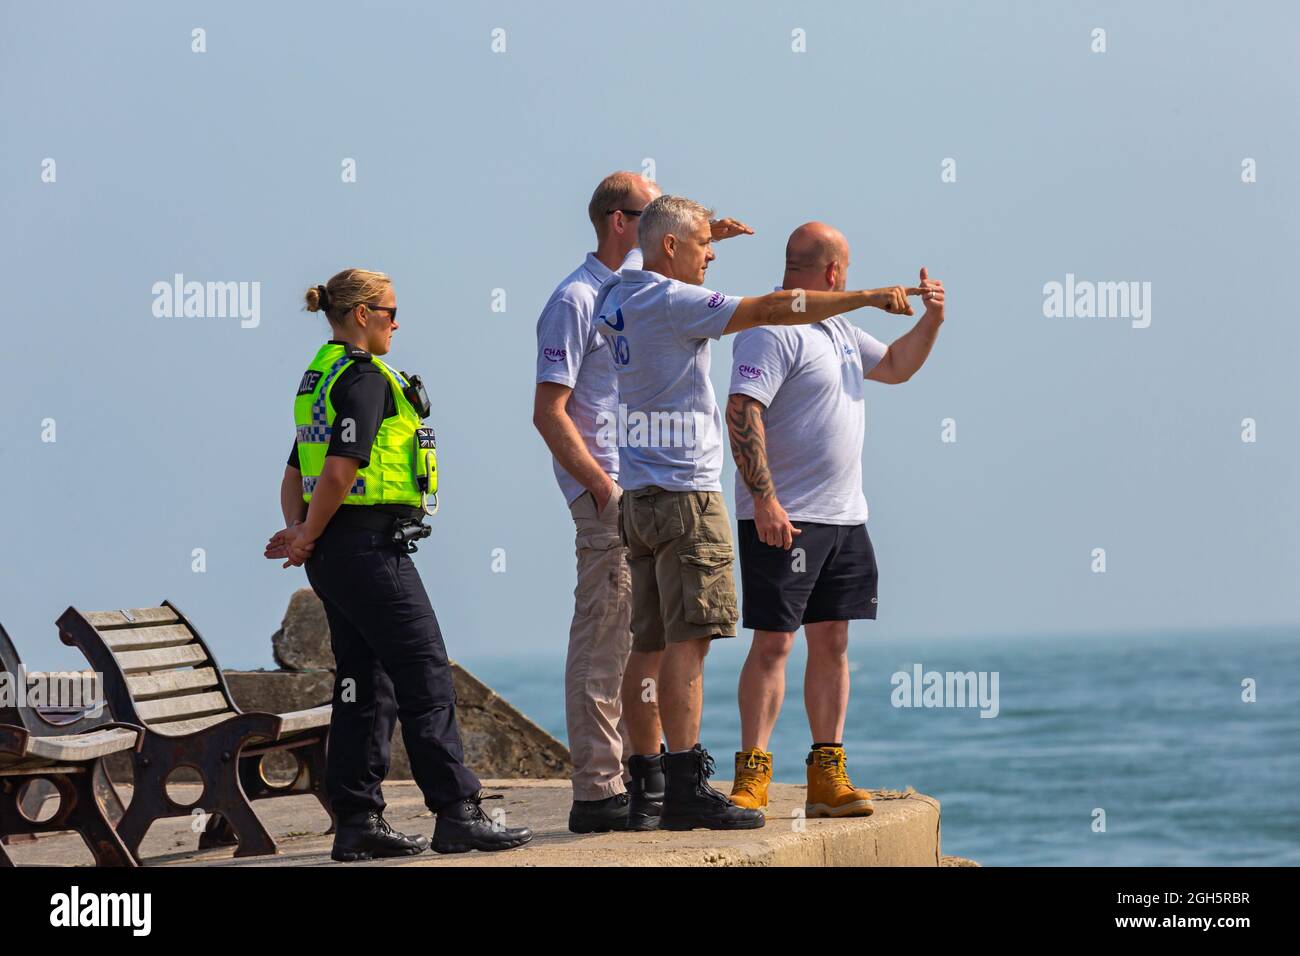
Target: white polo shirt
{"points": [[570, 353], [668, 425], [810, 377]]}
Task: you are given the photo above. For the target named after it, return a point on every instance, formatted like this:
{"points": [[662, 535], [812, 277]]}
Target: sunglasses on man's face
{"points": [[631, 213], [391, 310]]}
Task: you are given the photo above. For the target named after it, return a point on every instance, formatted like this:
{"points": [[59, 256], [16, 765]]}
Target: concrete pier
{"points": [[903, 831]]}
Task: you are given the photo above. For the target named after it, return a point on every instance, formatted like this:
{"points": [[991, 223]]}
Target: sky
{"points": [[131, 439]]}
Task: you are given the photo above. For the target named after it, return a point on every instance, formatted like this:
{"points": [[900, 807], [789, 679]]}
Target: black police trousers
{"points": [[390, 663]]}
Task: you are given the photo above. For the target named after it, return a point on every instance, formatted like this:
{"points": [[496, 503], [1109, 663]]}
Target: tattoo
{"points": [[749, 444]]}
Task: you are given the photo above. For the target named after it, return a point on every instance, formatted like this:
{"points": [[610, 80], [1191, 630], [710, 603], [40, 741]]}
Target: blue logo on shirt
{"points": [[622, 352], [616, 327]]}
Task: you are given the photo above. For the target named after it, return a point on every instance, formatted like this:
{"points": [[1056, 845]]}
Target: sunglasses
{"points": [[631, 213], [391, 310]]}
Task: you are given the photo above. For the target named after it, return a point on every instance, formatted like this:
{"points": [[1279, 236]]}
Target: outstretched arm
{"points": [[908, 353], [802, 307], [720, 229]]}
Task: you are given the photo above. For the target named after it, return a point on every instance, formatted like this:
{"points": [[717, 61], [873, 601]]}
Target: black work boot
{"points": [[689, 801], [599, 816], [463, 826], [646, 789], [370, 837]]}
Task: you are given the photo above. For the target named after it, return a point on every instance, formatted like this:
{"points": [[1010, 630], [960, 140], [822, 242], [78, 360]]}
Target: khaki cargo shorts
{"points": [[680, 555]]}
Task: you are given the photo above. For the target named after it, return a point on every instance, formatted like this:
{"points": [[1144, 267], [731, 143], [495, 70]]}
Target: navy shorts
{"points": [[829, 575]]}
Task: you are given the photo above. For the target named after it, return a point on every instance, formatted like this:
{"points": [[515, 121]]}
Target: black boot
{"points": [[646, 789], [599, 816], [689, 801], [370, 837], [463, 826]]}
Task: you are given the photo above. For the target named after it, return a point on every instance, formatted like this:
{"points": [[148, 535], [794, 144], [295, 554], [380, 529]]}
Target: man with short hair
{"points": [[796, 421], [659, 320], [576, 385]]}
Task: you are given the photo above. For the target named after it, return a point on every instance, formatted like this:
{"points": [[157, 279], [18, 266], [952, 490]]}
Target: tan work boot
{"points": [[830, 791], [753, 774]]}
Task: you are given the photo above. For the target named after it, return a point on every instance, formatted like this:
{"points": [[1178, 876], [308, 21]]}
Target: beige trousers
{"points": [[599, 641]]}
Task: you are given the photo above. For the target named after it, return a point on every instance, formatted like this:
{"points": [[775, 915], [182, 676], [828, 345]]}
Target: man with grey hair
{"points": [[575, 386], [658, 321]]}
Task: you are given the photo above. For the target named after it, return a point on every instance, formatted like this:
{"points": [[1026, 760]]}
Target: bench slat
{"points": [[33, 766], [161, 658], [142, 638], [144, 686], [190, 705], [101, 620], [299, 720], [178, 728], [76, 747]]}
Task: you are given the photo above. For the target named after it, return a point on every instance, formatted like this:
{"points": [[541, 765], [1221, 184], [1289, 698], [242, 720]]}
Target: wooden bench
{"points": [[159, 673], [69, 757]]}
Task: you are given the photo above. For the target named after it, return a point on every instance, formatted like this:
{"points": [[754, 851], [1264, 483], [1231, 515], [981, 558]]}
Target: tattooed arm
{"points": [[749, 448], [749, 444]]}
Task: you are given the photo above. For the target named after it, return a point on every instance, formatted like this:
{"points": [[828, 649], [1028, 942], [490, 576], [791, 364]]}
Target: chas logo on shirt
{"points": [[555, 355], [749, 371], [716, 300]]}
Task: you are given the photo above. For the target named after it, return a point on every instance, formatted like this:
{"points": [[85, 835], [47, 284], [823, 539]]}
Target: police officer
{"points": [[359, 481]]}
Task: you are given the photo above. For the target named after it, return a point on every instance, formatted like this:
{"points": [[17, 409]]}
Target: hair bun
{"points": [[323, 298]]}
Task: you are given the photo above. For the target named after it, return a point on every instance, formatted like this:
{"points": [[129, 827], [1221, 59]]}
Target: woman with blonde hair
{"points": [[360, 480]]}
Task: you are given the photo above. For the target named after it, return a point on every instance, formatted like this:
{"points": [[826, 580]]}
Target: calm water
{"points": [[1152, 729]]}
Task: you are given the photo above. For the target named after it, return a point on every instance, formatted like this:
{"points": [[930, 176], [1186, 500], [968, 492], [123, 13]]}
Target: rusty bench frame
{"points": [[227, 753], [34, 748]]}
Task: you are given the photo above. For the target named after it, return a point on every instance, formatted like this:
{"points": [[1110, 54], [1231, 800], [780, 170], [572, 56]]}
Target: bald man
{"points": [[795, 417], [660, 320]]}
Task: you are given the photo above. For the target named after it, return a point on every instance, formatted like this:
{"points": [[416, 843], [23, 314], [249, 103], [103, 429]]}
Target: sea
{"points": [[1152, 749]]}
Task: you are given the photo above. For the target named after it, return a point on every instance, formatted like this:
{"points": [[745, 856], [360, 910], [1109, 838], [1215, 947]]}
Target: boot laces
{"points": [[704, 772], [833, 762], [707, 766], [750, 775], [477, 815]]}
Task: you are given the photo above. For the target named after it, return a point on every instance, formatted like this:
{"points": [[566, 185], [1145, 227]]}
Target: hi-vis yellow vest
{"points": [[402, 468]]}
